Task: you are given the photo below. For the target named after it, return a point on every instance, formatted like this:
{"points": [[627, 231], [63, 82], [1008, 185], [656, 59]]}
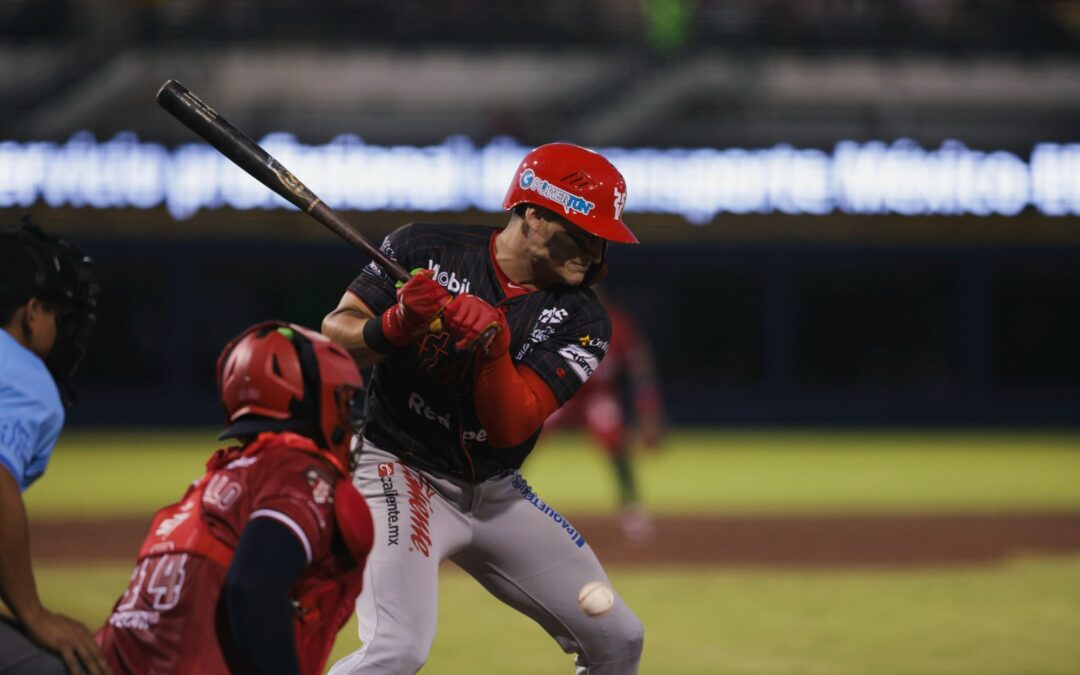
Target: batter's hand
{"points": [[467, 318], [420, 301], [69, 639]]}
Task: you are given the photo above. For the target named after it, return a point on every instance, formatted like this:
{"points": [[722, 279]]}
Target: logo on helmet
{"points": [[569, 201], [620, 202]]}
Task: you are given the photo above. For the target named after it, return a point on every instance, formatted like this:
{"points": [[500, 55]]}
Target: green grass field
{"points": [[124, 472], [1011, 619], [1020, 616]]}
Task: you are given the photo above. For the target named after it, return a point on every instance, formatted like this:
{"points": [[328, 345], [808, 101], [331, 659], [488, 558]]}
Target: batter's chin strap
{"points": [[67, 352], [597, 271]]}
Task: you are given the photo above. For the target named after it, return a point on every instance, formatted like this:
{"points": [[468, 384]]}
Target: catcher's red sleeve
{"points": [[511, 402]]}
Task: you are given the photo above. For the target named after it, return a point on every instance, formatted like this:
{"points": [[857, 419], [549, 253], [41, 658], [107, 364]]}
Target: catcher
{"points": [[256, 568]]}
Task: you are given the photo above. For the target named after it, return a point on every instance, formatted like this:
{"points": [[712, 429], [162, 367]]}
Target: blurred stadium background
{"points": [[876, 201], [853, 214]]}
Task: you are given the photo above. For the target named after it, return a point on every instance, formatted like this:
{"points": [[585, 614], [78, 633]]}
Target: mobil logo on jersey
{"points": [[446, 279], [519, 483], [583, 362], [568, 200]]}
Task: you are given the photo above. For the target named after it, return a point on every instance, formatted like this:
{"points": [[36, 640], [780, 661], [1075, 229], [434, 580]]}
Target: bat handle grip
{"points": [[486, 337]]}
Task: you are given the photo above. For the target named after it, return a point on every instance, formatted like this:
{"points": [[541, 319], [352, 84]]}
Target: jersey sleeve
{"points": [[567, 359], [28, 433], [16, 434], [299, 494], [373, 285]]}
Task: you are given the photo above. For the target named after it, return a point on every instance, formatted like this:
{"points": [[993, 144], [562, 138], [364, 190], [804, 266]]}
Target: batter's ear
{"points": [[538, 212]]}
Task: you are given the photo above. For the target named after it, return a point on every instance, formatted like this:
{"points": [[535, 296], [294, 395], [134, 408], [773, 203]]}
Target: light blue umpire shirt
{"points": [[31, 415]]}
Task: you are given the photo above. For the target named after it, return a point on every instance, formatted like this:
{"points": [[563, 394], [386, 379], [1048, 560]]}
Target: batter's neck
{"points": [[512, 256]]}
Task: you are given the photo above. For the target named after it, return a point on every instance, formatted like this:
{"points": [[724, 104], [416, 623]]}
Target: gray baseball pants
{"points": [[521, 550], [20, 656]]}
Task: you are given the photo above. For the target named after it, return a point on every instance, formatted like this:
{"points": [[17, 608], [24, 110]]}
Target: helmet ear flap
{"points": [[341, 424], [597, 271]]}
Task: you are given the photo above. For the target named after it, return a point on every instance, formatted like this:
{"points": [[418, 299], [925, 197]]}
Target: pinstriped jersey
{"points": [[420, 399]]}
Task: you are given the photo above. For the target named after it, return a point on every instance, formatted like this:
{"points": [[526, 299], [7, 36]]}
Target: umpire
{"points": [[47, 300]]}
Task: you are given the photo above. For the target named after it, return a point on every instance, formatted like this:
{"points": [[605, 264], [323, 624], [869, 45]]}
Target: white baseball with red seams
{"points": [[595, 598]]}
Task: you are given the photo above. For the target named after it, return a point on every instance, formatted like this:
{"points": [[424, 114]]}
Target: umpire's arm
{"points": [[55, 632]]}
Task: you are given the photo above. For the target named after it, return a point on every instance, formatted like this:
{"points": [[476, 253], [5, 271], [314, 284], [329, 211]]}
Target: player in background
{"points": [[48, 296], [627, 375], [256, 568], [453, 410]]}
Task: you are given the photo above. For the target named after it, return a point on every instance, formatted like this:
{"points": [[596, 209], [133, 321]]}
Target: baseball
{"points": [[595, 598]]}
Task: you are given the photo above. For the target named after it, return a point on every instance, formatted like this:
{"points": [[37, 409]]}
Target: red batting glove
{"points": [[468, 318], [420, 301]]}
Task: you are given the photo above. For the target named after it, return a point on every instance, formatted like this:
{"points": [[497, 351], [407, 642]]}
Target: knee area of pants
{"points": [[623, 639], [400, 656], [632, 636]]}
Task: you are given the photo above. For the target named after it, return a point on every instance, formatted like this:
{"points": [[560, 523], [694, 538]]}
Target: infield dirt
{"points": [[774, 540]]}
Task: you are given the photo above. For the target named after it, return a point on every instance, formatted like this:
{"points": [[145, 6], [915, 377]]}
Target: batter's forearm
{"points": [[17, 587], [346, 327]]}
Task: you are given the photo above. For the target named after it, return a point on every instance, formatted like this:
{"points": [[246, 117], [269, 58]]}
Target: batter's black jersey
{"points": [[420, 398]]}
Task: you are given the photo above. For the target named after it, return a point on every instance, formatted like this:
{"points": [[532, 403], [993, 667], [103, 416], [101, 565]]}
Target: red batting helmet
{"points": [[278, 376], [575, 183]]}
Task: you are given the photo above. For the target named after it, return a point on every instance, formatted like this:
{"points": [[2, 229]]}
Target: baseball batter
{"points": [[495, 330], [255, 570]]}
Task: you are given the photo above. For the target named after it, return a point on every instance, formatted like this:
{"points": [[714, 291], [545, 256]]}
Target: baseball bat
{"points": [[249, 156]]}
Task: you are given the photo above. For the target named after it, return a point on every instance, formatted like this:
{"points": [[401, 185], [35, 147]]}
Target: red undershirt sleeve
{"points": [[511, 401]]}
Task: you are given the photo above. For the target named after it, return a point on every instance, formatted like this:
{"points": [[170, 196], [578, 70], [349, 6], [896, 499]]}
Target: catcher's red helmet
{"points": [[278, 376], [576, 183]]}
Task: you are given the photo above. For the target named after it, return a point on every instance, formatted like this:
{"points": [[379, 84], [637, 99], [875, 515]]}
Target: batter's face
{"points": [[561, 252]]}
